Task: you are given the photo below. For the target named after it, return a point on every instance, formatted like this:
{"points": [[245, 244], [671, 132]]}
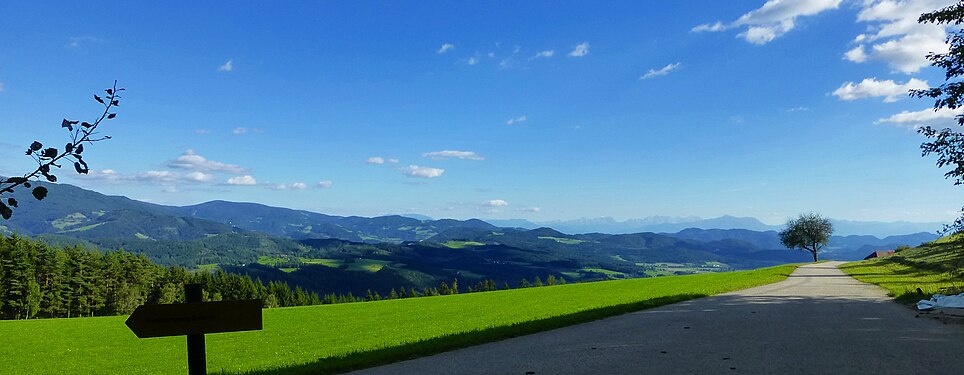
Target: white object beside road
{"points": [[940, 301]]}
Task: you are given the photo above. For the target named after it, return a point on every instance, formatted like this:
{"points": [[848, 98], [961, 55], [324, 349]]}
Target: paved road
{"points": [[818, 321]]}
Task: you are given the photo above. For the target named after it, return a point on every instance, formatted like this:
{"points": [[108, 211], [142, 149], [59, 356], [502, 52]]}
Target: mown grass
{"points": [[461, 244], [335, 338], [935, 267]]}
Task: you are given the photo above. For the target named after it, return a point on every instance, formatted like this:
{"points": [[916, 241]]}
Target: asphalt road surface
{"points": [[818, 321]]}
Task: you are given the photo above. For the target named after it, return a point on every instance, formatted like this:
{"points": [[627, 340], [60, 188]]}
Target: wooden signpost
{"points": [[194, 319]]}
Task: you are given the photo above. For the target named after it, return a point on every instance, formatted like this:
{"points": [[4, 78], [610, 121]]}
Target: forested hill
{"points": [[326, 253], [42, 281]]}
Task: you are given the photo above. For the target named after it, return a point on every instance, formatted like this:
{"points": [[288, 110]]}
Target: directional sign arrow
{"points": [[195, 318]]}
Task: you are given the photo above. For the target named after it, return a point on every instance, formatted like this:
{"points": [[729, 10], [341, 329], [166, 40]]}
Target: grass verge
{"points": [[338, 338], [935, 267]]}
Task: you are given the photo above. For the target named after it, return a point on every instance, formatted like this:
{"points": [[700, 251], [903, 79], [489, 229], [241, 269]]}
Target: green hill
{"points": [[327, 338], [935, 267]]}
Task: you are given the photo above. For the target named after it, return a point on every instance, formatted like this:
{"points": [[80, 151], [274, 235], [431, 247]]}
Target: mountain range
{"points": [[351, 254], [670, 224]]}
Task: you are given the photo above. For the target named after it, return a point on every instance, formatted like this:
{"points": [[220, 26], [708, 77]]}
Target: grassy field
{"points": [[333, 338], [936, 267], [461, 244]]}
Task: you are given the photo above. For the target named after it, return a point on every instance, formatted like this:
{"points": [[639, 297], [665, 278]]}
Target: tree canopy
{"points": [[809, 232], [946, 143]]}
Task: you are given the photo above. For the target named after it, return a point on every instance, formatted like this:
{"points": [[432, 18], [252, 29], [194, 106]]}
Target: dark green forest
{"points": [[41, 281], [38, 280]]}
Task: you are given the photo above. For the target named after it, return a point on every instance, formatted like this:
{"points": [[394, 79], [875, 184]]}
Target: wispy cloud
{"points": [[531, 209], [192, 161], [202, 131], [375, 160], [246, 180], [714, 27], [472, 60], [226, 67], [772, 20], [653, 73], [941, 118], [798, 109], [80, 41], [445, 48], [153, 177], [243, 131], [580, 50], [543, 54], [422, 172], [438, 155], [324, 184], [517, 120], [872, 88], [291, 186], [1, 86], [495, 203]]}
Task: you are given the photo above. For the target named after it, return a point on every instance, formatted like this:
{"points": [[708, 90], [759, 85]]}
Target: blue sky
{"points": [[541, 110]]}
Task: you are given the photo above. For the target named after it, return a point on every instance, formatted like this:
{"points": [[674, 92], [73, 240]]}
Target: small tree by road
{"points": [[809, 232]]}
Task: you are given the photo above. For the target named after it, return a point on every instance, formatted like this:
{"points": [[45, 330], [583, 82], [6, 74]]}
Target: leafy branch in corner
{"points": [[81, 133], [946, 143]]}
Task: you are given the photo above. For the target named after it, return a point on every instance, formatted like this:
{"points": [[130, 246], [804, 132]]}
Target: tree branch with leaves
{"points": [[946, 143], [81, 133]]}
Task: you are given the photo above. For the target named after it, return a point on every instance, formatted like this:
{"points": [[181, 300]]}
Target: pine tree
{"points": [[537, 282], [455, 286], [551, 280], [524, 283]]}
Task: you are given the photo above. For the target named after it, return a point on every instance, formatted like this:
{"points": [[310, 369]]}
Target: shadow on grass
{"points": [[360, 360]]}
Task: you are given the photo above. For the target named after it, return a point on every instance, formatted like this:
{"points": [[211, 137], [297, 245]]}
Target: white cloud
{"points": [[714, 27], [226, 67], [241, 130], [652, 73], [192, 161], [292, 186], [896, 37], [445, 48], [422, 172], [199, 177], [472, 60], [1, 86], [772, 20], [857, 54], [580, 50], [532, 209], [871, 88], [495, 203], [375, 160], [798, 109], [517, 120], [324, 184], [152, 177], [544, 54], [242, 180], [393, 161], [437, 155], [942, 118]]}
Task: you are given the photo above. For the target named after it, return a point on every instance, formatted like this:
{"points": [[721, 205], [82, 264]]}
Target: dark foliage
{"points": [[41, 281], [946, 143]]}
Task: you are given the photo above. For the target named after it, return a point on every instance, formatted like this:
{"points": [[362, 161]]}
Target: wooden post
{"points": [[196, 361]]}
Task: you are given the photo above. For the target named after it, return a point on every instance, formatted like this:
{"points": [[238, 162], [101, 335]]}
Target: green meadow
{"points": [[935, 267], [340, 337]]}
